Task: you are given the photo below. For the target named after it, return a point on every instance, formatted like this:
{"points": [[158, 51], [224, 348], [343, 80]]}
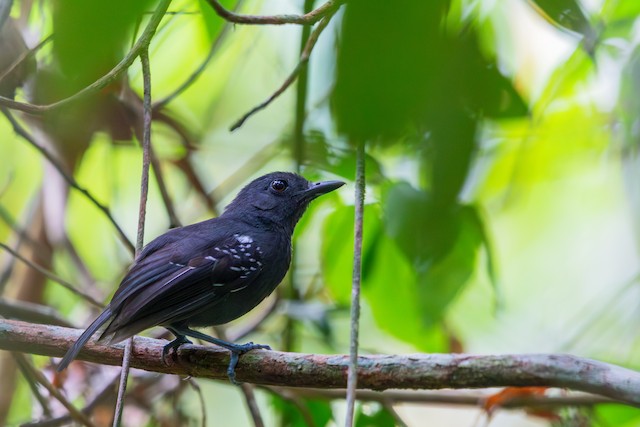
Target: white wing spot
{"points": [[235, 268], [210, 258], [244, 239]]}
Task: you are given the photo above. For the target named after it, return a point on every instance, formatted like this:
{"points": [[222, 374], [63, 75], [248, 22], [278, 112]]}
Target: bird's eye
{"points": [[279, 185]]}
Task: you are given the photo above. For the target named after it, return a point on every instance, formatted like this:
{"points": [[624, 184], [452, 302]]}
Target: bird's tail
{"points": [[88, 333]]}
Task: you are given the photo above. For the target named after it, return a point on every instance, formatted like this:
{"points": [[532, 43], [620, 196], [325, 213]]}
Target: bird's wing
{"points": [[164, 289]]}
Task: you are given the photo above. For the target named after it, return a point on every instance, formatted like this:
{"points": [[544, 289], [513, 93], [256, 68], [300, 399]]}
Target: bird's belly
{"points": [[234, 305]]}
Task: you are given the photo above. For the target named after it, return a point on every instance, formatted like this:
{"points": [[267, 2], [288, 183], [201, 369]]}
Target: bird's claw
{"points": [[173, 345], [236, 352]]}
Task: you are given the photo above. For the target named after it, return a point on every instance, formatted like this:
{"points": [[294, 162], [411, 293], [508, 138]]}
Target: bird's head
{"points": [[278, 197]]}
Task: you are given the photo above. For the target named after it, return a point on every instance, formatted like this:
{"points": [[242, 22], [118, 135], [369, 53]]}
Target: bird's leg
{"points": [[173, 345], [236, 349]]}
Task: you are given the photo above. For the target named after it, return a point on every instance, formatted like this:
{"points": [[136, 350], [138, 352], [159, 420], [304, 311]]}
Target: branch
{"points": [[306, 19], [304, 59], [23, 57], [447, 397], [17, 127], [352, 377], [31, 312], [104, 81], [53, 277], [55, 392], [376, 372], [158, 105]]}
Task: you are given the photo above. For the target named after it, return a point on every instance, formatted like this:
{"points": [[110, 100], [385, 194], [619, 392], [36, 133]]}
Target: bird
{"points": [[212, 272]]}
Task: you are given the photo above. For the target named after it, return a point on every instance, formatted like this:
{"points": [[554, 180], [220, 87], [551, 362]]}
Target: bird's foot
{"points": [[236, 351], [174, 345]]}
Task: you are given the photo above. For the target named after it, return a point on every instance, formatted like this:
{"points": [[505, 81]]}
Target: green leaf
{"points": [[319, 411], [568, 15], [90, 37], [212, 21], [340, 161], [337, 249], [618, 415], [441, 244], [443, 280], [379, 416], [383, 65], [390, 286], [424, 231], [389, 282]]}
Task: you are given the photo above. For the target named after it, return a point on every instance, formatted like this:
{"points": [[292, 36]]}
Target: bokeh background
{"points": [[502, 183]]}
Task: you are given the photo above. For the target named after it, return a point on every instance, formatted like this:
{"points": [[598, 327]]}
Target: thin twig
{"points": [[198, 71], [457, 398], [86, 277], [75, 413], [144, 191], [104, 81], [306, 19], [352, 378], [174, 221], [291, 292], [23, 57], [33, 385], [304, 59], [122, 385], [32, 312], [17, 127], [103, 395], [301, 95], [22, 237], [53, 276], [292, 396], [203, 406], [252, 404], [20, 231], [146, 148]]}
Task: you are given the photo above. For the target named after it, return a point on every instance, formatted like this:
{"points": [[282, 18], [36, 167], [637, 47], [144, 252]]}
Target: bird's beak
{"points": [[319, 188]]}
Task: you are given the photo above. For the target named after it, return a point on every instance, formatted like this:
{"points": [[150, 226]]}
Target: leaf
{"points": [[508, 394], [383, 65], [90, 37], [568, 15], [423, 231], [291, 416], [444, 278], [389, 283], [391, 287], [379, 417], [441, 244], [337, 160], [337, 249]]}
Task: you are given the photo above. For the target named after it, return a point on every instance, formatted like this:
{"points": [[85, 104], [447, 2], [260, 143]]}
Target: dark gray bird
{"points": [[211, 272]]}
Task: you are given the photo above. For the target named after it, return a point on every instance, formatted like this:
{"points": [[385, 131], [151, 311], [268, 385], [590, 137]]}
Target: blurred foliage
{"points": [[502, 178]]}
